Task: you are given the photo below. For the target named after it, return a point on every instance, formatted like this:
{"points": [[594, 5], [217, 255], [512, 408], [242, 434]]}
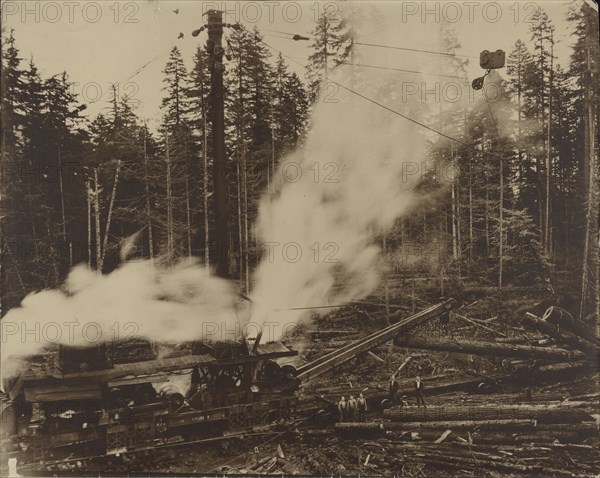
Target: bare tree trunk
{"points": [[547, 234], [148, 210], [188, 215], [62, 194], [270, 178], [246, 234], [487, 211], [88, 196], [470, 214], [32, 217], [541, 209], [591, 154], [501, 224], [205, 198], [97, 214], [239, 211], [170, 247], [386, 291], [454, 228], [110, 210], [519, 127], [458, 224], [413, 297]]}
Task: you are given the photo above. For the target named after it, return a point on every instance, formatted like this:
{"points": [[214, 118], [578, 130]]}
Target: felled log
{"points": [[560, 334], [542, 413], [511, 340], [465, 461], [560, 317], [527, 437], [583, 429], [518, 424], [486, 348]]}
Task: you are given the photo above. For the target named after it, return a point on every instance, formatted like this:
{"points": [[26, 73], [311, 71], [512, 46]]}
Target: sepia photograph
{"points": [[299, 238]]}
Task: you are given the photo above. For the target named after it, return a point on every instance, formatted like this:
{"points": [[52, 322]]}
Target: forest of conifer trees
{"points": [[522, 211], [363, 241]]}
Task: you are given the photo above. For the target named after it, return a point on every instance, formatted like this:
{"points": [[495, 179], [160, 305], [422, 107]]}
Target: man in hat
{"points": [[362, 408], [343, 409], [419, 392], [352, 405]]}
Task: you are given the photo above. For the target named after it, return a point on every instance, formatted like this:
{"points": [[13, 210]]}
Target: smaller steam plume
{"points": [[168, 304]]}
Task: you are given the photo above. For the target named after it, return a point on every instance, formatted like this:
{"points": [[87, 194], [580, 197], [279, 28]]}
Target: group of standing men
{"points": [[353, 408]]}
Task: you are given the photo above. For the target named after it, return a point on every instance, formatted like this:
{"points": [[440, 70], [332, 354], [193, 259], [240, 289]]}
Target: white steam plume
{"points": [[354, 176], [177, 304]]}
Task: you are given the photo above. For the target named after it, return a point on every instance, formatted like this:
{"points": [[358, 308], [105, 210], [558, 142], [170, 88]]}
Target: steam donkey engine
{"points": [[131, 396]]}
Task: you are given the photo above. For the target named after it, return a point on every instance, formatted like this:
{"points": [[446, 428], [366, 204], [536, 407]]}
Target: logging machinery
{"points": [[132, 396]]}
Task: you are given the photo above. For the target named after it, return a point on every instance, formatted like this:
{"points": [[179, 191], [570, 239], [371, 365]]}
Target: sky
{"points": [[103, 42]]}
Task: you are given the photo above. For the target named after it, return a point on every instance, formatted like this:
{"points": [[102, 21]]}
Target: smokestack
{"points": [[257, 342]]}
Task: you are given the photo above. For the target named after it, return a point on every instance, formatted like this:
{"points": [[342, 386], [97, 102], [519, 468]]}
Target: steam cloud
{"points": [[173, 304], [353, 178], [319, 229]]}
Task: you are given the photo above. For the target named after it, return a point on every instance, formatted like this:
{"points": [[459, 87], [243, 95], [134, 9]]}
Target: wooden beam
{"points": [[329, 361]]}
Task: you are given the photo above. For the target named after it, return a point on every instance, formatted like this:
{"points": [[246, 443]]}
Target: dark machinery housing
{"points": [[123, 397]]}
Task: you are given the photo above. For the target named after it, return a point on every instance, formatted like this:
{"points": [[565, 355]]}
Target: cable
{"points": [[393, 47], [277, 36], [141, 68], [283, 33], [400, 69], [414, 50], [387, 108]]}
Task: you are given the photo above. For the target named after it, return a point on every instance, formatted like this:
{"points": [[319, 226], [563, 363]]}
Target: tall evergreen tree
{"points": [[331, 45]]}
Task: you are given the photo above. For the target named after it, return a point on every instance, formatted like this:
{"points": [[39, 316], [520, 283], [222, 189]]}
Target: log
{"points": [[487, 348], [560, 317], [517, 424], [560, 334], [566, 368], [584, 429], [542, 413], [529, 437], [466, 462], [511, 340], [482, 431]]}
